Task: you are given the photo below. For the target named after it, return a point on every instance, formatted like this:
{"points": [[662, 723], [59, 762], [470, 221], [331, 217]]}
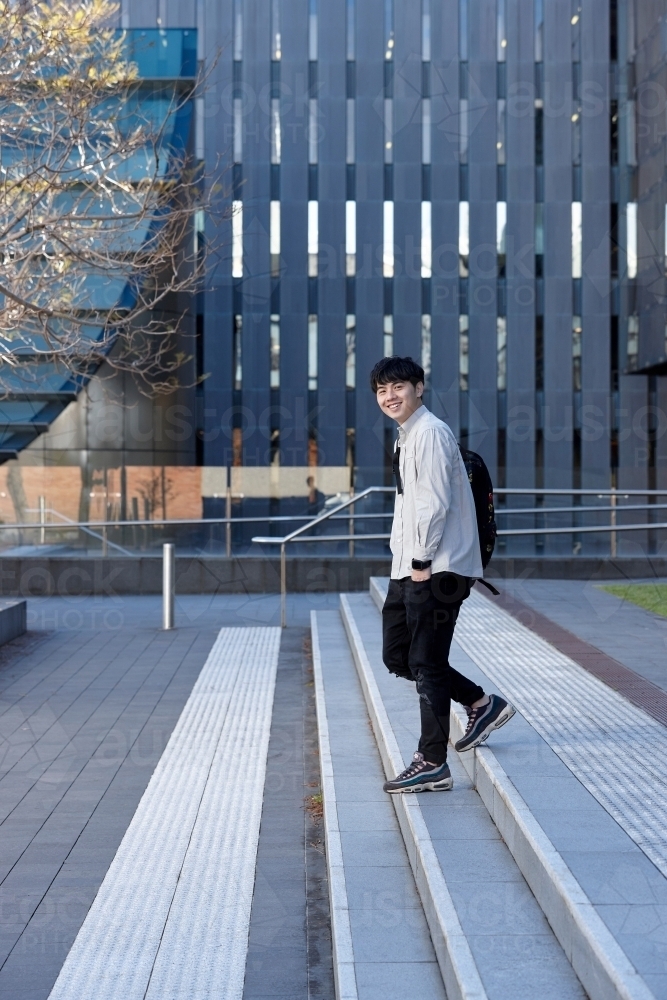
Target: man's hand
{"points": [[419, 575]]}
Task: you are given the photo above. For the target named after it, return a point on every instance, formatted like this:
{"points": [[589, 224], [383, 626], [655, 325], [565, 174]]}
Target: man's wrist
{"points": [[421, 563]]}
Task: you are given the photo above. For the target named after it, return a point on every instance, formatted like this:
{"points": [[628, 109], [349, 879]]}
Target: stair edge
{"points": [[341, 933]]}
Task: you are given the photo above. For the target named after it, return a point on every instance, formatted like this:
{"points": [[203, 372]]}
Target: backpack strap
{"points": [[395, 466], [489, 586]]}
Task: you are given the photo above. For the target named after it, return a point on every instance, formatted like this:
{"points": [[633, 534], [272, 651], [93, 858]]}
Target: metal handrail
{"points": [[546, 492], [571, 530], [159, 521], [585, 509], [584, 529], [574, 530], [299, 531], [335, 514], [275, 518], [613, 528], [69, 523]]}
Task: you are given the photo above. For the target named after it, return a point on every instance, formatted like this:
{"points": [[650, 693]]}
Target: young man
{"points": [[436, 558]]}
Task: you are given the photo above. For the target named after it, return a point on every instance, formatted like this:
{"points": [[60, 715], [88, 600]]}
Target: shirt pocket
{"points": [[409, 470]]}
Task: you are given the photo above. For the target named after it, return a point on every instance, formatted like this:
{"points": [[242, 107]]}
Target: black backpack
{"points": [[482, 491]]}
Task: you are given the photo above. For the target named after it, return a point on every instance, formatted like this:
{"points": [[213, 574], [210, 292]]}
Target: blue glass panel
{"points": [[163, 53]]}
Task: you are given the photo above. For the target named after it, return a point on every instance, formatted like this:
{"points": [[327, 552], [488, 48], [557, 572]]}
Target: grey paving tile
{"points": [[643, 920], [392, 935], [355, 766], [35, 988], [503, 982], [397, 980], [466, 820], [497, 908], [626, 877], [366, 816], [544, 969], [488, 861], [642, 933], [572, 830], [350, 789], [382, 847], [378, 887], [658, 984], [564, 791]]}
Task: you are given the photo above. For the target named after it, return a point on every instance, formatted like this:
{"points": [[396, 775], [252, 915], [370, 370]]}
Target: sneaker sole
{"points": [[504, 717], [427, 786]]}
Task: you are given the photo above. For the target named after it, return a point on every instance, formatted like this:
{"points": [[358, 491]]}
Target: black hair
{"points": [[396, 369]]}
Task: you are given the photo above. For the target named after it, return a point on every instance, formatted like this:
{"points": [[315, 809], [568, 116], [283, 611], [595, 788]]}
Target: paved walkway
{"points": [[84, 720], [88, 701], [98, 713]]}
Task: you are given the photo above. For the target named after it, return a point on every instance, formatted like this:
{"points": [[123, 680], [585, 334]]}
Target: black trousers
{"points": [[418, 622]]}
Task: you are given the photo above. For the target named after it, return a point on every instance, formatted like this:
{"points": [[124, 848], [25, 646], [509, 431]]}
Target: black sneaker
{"points": [[421, 776], [482, 721]]}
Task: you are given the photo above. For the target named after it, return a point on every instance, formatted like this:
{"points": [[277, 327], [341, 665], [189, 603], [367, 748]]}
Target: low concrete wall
{"points": [[35, 577], [12, 620], [577, 568]]}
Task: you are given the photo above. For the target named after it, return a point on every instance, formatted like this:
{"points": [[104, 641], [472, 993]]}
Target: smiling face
{"points": [[399, 400]]}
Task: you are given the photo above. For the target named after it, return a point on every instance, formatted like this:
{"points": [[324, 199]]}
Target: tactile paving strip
{"points": [[637, 689], [616, 750], [171, 918]]}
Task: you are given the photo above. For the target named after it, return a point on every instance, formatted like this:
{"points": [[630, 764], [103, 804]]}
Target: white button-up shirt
{"points": [[434, 517]]}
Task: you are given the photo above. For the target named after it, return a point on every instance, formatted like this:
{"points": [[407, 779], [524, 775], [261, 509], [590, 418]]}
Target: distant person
{"points": [[436, 559], [315, 497]]}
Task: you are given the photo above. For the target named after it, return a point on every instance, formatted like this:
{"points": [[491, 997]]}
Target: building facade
{"points": [[480, 185]]}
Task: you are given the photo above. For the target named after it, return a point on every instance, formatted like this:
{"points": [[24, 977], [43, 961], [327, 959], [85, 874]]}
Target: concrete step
{"points": [[516, 894], [381, 943], [591, 769]]}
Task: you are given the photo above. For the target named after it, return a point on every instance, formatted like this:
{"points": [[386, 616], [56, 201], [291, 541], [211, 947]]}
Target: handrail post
{"points": [[168, 585], [351, 525], [105, 542], [283, 587], [42, 520], [228, 514], [613, 522]]}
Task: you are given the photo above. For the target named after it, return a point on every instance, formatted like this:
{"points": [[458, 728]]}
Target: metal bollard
{"points": [[168, 585], [283, 588], [42, 520], [228, 525]]}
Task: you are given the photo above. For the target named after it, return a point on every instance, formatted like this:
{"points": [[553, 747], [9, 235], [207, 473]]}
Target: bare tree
{"points": [[97, 200]]}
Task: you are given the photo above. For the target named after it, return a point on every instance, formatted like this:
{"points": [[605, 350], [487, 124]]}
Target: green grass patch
{"points": [[651, 596]]}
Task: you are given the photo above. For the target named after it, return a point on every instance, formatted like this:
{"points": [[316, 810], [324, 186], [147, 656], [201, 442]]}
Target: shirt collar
{"points": [[406, 427]]}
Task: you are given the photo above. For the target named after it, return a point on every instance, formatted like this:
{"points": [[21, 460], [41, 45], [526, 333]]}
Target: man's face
{"points": [[399, 400]]}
